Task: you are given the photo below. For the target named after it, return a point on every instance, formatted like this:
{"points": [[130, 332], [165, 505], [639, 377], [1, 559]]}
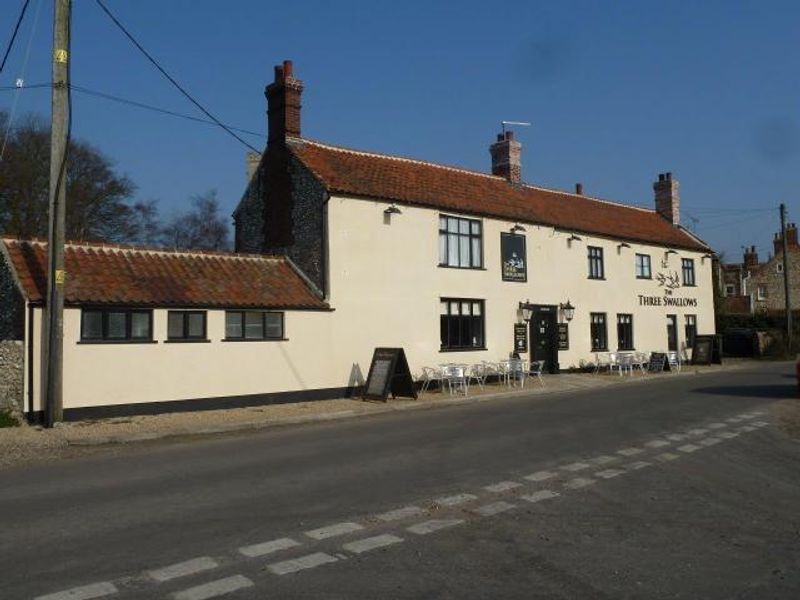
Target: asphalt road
{"points": [[681, 488]]}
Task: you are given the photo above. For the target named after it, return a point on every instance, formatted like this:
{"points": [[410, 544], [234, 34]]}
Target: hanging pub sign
{"points": [[563, 335], [512, 253], [389, 373], [520, 337]]}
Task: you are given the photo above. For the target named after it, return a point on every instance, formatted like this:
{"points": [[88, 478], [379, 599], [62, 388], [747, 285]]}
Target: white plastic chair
{"points": [[601, 362], [478, 373], [537, 366], [613, 363], [457, 380], [517, 371], [674, 360]]}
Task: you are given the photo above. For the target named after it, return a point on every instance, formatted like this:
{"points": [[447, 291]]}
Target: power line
{"points": [[121, 100], [14, 88], [155, 63], [14, 35]]}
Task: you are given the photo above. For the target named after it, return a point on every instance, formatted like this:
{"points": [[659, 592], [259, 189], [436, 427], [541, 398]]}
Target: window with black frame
{"points": [[625, 332], [186, 325], [460, 243], [643, 267], [690, 329], [253, 325], [687, 265], [116, 325], [461, 324], [596, 270], [598, 331]]}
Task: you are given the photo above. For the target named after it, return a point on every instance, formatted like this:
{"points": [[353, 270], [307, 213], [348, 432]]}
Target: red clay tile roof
{"points": [[366, 174], [107, 274]]}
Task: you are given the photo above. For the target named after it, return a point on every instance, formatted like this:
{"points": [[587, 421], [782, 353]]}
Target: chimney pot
{"points": [[579, 189], [287, 68], [283, 104]]}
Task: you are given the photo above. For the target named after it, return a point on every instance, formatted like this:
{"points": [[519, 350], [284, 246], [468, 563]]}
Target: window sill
{"points": [[471, 349], [643, 277], [626, 349], [462, 268], [115, 342], [599, 350], [689, 285], [255, 340], [188, 341], [596, 278]]}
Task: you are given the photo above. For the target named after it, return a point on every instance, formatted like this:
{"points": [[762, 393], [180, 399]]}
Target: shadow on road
{"points": [[751, 391]]}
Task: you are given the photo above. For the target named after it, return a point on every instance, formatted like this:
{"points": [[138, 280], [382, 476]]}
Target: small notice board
{"points": [[520, 337], [706, 350], [563, 336], [389, 374], [658, 362]]}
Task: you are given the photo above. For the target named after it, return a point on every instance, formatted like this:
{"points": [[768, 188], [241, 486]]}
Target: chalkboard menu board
{"points": [[563, 336], [706, 350], [658, 362], [520, 337], [389, 373]]}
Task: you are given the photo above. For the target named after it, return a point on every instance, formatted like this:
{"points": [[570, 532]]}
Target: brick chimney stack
{"points": [[283, 104], [507, 157], [668, 200], [750, 257], [791, 239]]}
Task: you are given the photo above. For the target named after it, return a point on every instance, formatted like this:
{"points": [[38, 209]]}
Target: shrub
{"points": [[7, 419]]}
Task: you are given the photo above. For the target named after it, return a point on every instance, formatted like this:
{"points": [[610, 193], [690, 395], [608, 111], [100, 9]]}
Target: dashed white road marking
{"points": [[639, 464], [427, 527], [308, 561], [746, 416], [698, 431], [630, 451], [576, 466], [455, 500], [760, 423], [609, 473], [214, 588], [603, 459], [688, 448], [85, 592], [503, 486], [748, 428], [759, 413], [540, 495], [372, 543], [268, 547], [333, 530], [733, 420], [709, 441], [728, 434], [676, 437], [401, 513], [540, 476], [667, 456], [579, 482], [182, 569], [657, 443], [716, 425], [495, 508]]}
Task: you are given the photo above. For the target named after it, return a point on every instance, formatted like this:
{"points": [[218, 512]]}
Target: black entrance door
{"points": [[672, 333], [544, 344]]}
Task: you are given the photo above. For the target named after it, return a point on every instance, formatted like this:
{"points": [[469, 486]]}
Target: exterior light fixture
{"points": [[526, 309], [670, 251], [517, 227], [568, 310], [574, 238], [392, 210], [623, 245]]}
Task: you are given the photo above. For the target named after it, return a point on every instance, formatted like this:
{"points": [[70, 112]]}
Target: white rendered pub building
{"points": [[340, 251]]}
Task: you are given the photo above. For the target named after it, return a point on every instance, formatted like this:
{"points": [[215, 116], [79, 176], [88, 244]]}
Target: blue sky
{"points": [[616, 91]]}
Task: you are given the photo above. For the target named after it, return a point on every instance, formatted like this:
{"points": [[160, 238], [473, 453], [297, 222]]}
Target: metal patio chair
{"points": [[430, 375], [537, 367]]}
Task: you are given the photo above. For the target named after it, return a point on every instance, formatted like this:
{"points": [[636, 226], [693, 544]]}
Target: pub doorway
{"points": [[544, 336]]}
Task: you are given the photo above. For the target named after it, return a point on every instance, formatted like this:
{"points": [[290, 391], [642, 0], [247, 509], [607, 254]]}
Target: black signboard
{"points": [[658, 362], [512, 253], [563, 336], [707, 349], [520, 337], [389, 373]]}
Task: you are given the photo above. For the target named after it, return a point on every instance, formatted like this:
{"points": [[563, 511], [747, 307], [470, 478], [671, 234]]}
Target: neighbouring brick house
{"points": [[758, 287]]}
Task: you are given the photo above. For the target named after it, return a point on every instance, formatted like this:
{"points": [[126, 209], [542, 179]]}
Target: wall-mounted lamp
{"points": [[705, 256], [567, 310], [622, 245], [526, 309], [574, 238], [393, 210], [670, 251], [517, 227]]}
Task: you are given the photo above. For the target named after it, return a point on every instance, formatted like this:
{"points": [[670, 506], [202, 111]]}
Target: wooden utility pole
{"points": [[788, 303], [52, 367]]}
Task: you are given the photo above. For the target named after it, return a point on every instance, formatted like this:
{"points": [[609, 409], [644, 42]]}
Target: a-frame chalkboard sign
{"points": [[389, 373]]}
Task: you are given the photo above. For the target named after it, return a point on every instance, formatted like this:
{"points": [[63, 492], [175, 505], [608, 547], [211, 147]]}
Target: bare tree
{"points": [[200, 228]]}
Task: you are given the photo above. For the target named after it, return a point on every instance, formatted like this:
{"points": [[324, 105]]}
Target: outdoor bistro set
{"points": [[457, 377]]}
